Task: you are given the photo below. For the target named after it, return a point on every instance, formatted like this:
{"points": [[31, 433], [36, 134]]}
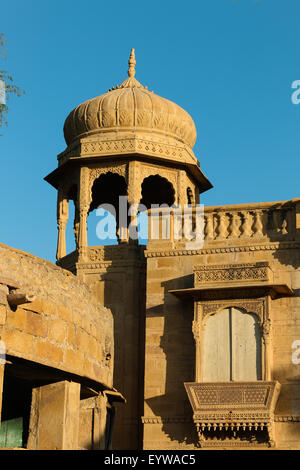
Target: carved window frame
{"points": [[258, 306]]}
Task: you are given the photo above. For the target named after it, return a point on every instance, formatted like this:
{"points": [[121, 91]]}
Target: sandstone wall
{"points": [[64, 327], [170, 346]]}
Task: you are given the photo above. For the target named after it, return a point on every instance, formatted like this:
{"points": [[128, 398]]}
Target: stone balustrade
{"points": [[271, 221]]}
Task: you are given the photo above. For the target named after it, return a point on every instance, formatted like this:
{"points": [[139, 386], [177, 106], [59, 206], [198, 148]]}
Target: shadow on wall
{"points": [[117, 287], [178, 346], [279, 228]]}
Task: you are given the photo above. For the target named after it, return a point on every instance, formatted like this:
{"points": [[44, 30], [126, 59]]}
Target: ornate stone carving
{"points": [[258, 225], [120, 169], [287, 418], [246, 225], [149, 170], [221, 229], [251, 223], [234, 227], [231, 272], [232, 412], [165, 419], [196, 330], [209, 227], [250, 306], [84, 190], [130, 145]]}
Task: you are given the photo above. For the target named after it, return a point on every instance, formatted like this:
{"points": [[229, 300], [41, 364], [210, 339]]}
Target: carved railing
{"points": [[271, 221]]}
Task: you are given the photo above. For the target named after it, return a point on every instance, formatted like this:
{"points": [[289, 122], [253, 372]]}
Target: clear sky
{"points": [[229, 63]]}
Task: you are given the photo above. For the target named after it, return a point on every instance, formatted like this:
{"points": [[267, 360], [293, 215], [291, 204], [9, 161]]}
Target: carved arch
{"points": [[259, 307], [157, 189], [256, 307]]}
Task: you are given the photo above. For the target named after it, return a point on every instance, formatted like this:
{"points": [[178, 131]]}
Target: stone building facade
{"points": [[57, 356], [206, 319]]}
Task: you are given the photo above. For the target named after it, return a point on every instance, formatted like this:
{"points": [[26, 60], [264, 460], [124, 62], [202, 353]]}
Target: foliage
{"points": [[10, 87]]}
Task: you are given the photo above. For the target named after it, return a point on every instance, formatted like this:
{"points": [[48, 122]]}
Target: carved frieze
{"points": [[129, 145], [232, 273], [136, 145]]}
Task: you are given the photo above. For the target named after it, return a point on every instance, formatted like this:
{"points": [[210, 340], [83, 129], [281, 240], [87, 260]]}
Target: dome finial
{"points": [[131, 63]]}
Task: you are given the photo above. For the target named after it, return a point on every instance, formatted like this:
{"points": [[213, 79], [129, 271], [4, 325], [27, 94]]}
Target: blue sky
{"points": [[229, 63]]}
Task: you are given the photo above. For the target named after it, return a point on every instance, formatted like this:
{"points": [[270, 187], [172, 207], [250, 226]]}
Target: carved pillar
{"points": [[134, 197], [197, 336], [82, 236], [84, 204], [266, 345], [181, 189], [62, 218]]}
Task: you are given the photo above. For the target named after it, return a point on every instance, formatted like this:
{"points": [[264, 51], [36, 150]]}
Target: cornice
{"points": [[273, 246]]}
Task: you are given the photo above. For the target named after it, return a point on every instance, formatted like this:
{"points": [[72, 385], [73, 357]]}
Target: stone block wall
{"points": [[64, 327], [170, 346]]}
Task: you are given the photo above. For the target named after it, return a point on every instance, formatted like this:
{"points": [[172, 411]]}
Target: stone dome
{"points": [[130, 107]]}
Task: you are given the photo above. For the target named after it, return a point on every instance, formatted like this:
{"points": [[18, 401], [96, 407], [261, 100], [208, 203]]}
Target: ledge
{"points": [[217, 290]]}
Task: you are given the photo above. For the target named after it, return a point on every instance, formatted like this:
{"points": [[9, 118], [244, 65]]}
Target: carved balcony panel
{"points": [[234, 414]]}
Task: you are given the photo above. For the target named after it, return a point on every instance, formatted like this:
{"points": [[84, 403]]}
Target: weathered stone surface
{"points": [[63, 313], [55, 417]]}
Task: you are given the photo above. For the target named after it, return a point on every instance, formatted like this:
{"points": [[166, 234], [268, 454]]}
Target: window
{"points": [[232, 347]]}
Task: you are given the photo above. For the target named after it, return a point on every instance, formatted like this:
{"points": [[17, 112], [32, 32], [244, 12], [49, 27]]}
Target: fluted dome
{"points": [[130, 107]]}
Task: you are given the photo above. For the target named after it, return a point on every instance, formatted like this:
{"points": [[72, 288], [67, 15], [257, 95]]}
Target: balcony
{"points": [[234, 414]]}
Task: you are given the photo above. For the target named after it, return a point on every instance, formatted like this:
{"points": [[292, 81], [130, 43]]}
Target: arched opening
{"points": [[103, 223], [157, 190], [232, 347]]}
